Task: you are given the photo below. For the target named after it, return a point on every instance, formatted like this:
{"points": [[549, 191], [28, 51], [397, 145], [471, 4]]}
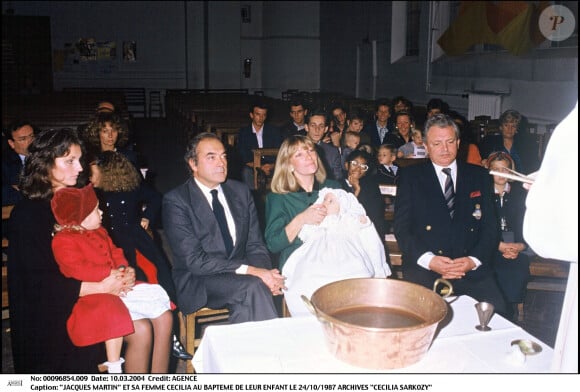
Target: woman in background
{"points": [[511, 266], [108, 132]]}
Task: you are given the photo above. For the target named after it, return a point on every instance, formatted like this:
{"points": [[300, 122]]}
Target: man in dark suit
{"points": [[19, 135], [445, 224], [297, 123], [218, 262], [257, 135]]}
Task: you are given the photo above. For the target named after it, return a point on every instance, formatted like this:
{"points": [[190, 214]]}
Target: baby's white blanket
{"points": [[340, 248]]}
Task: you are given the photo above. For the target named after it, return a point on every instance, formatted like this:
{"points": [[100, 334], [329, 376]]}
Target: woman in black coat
{"points": [[41, 297]]}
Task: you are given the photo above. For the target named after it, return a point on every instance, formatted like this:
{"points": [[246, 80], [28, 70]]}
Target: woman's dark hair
{"points": [[35, 182], [436, 103], [408, 104], [99, 121]]}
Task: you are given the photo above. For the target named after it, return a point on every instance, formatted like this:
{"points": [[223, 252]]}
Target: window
{"points": [[405, 23], [413, 23]]}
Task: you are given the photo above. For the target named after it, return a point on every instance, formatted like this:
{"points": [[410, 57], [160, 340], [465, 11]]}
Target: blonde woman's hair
{"points": [[284, 180], [118, 174]]}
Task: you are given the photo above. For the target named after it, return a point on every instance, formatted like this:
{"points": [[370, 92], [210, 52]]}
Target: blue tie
{"points": [[449, 192], [220, 215]]}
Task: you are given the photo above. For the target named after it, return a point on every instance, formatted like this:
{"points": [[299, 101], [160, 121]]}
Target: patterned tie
{"points": [[220, 215], [449, 192]]}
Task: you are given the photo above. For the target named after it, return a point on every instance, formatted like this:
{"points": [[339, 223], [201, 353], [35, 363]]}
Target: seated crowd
{"points": [[323, 194]]}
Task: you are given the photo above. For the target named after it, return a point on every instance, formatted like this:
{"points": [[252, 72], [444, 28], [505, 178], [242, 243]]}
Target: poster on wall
{"points": [[106, 50], [87, 48], [129, 51]]}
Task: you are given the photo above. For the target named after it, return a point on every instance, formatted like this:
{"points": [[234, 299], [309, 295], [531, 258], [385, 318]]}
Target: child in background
{"points": [[512, 266], [131, 208], [415, 148], [356, 124], [84, 251], [387, 171], [351, 142], [344, 245]]}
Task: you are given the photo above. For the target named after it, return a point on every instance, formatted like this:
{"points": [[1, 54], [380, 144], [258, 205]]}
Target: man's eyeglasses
{"points": [[362, 166]]}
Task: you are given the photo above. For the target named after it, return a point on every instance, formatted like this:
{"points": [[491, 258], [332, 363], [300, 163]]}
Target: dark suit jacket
{"points": [[11, 167], [289, 129], [330, 156], [372, 132], [247, 141], [197, 244], [422, 221], [386, 178]]}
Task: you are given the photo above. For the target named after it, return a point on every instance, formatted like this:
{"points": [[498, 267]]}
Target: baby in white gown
{"points": [[345, 245]]}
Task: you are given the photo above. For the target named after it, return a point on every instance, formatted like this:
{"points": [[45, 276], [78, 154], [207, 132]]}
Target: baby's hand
{"points": [[363, 219]]}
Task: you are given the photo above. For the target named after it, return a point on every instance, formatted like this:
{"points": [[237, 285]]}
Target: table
{"points": [[298, 345]]}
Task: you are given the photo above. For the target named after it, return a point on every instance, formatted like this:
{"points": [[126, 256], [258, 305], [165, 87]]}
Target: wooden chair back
{"points": [[6, 211], [188, 325], [404, 162], [260, 153]]}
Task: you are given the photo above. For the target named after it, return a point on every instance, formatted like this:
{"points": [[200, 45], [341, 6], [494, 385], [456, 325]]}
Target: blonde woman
{"points": [[298, 177]]}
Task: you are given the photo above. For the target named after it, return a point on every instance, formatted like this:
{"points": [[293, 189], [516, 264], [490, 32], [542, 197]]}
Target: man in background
{"points": [[20, 135], [257, 135], [297, 124]]}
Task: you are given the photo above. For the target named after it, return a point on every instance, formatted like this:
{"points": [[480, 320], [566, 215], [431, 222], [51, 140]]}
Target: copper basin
{"points": [[378, 323]]}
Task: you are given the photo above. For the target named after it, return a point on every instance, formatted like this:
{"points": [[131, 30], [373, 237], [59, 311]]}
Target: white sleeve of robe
{"points": [[551, 228]]}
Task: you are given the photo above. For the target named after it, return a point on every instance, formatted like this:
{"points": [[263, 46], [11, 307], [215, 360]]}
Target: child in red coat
{"points": [[84, 251]]}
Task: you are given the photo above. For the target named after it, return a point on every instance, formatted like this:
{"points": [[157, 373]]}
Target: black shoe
{"points": [[178, 351]]}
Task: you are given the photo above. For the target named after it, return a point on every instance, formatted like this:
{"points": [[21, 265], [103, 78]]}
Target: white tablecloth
{"points": [[297, 345]]}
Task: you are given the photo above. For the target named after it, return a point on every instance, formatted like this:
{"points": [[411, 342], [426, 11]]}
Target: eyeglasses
{"points": [[362, 166]]}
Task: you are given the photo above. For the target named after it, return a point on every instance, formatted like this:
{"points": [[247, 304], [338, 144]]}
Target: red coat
{"points": [[90, 256]]}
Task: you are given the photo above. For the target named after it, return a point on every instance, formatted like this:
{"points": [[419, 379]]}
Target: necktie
{"points": [[449, 192], [382, 133], [220, 215]]}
